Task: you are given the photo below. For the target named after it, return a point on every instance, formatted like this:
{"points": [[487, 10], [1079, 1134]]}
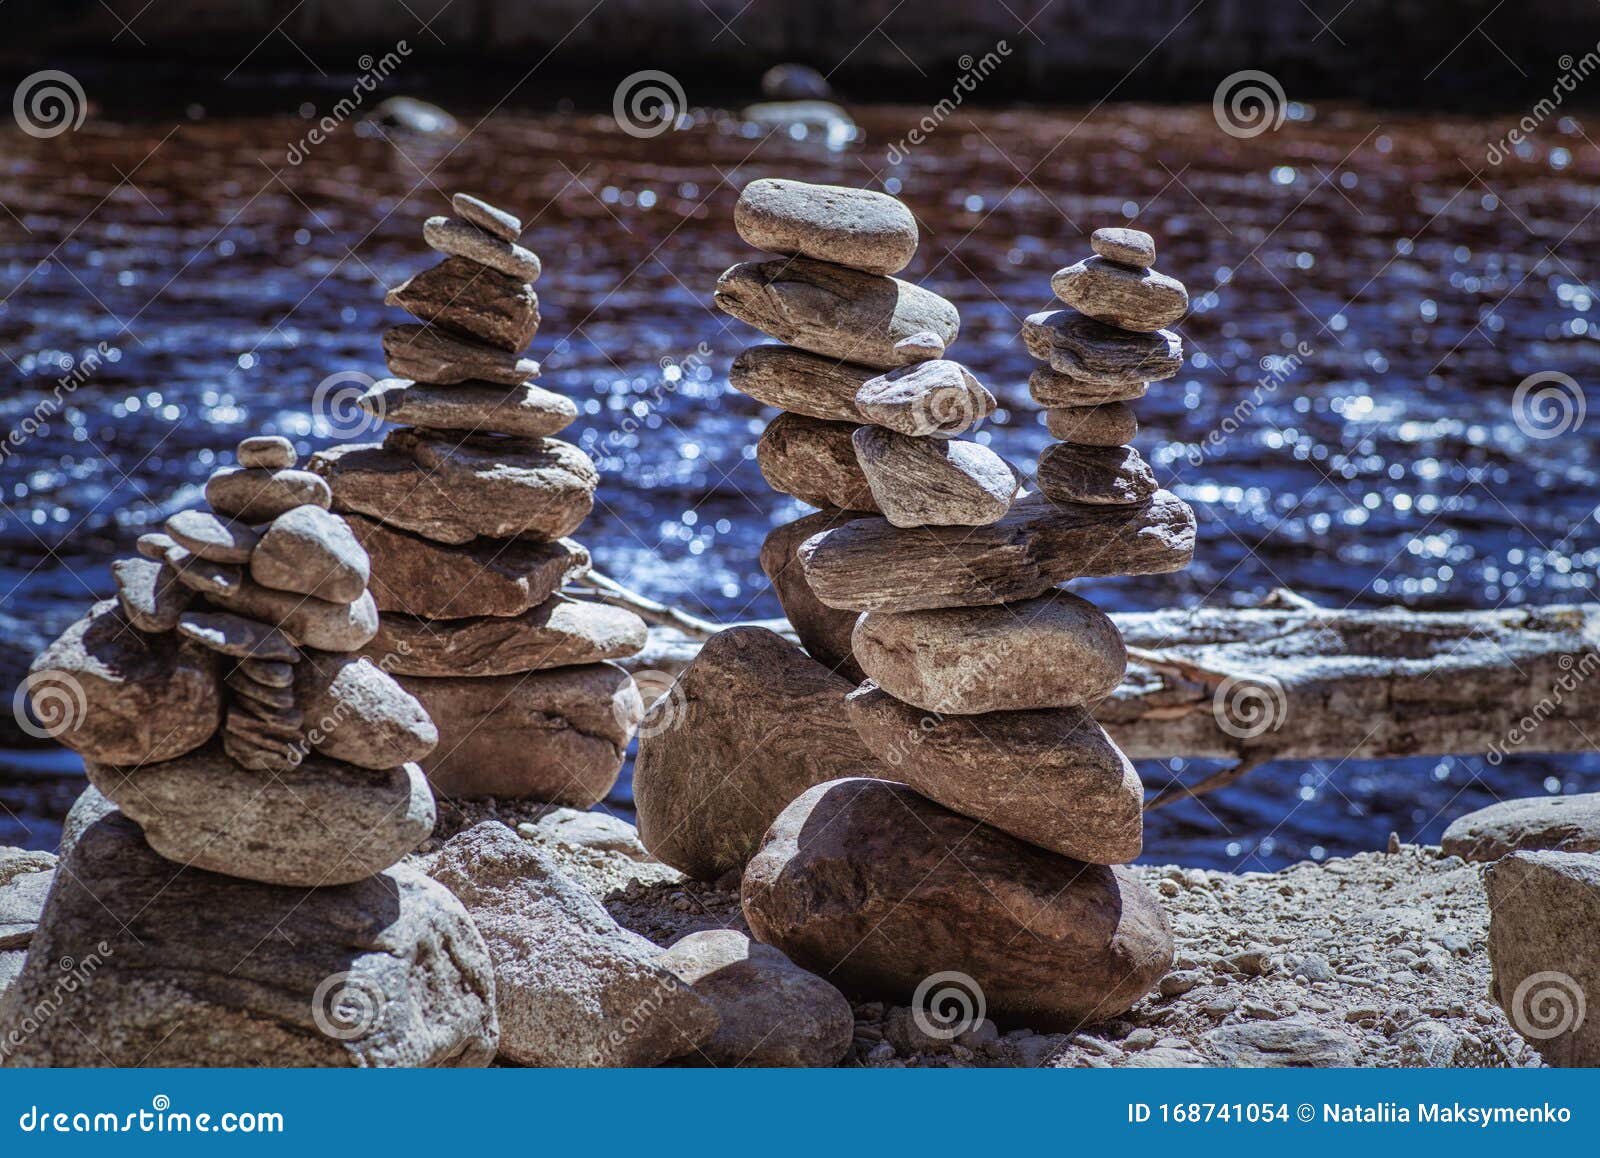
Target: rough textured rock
{"points": [[872, 565], [1130, 299], [799, 382], [253, 495], [204, 575], [221, 541], [89, 807], [526, 411], [272, 451], [936, 397], [771, 1012], [306, 621], [473, 300], [1293, 1041], [1104, 475], [859, 228], [560, 632], [387, 971], [150, 594], [1128, 246], [1109, 424], [872, 885], [815, 462], [922, 346], [323, 822], [310, 551], [1554, 823], [573, 988], [25, 880], [1544, 944], [919, 482], [824, 631], [750, 725], [591, 831], [154, 545], [1052, 388], [834, 311], [417, 576], [111, 693], [355, 711], [557, 735], [458, 238], [1050, 777], [1056, 651], [430, 354], [486, 217], [1081, 347]]}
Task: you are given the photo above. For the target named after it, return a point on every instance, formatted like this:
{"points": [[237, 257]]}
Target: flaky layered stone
{"points": [[824, 631], [560, 632], [431, 354], [920, 482], [799, 382], [1053, 388], [936, 397], [859, 228], [814, 461], [1110, 424], [1091, 351], [1100, 475], [472, 300], [526, 411], [457, 238], [1130, 299]]}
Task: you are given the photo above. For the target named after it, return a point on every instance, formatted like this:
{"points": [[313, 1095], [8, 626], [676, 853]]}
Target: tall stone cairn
{"points": [[465, 511], [230, 888]]}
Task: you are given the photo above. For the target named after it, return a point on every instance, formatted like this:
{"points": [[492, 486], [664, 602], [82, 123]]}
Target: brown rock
{"points": [[154, 545], [1102, 475], [459, 238], [471, 299], [799, 382], [1130, 299], [254, 495], [309, 551], [267, 672], [202, 533], [815, 462], [203, 575], [859, 228], [486, 217], [272, 451], [936, 397], [1111, 424], [1083, 348], [1129, 246], [1053, 388], [1554, 823], [152, 599], [527, 411], [429, 354], [560, 632], [920, 482], [306, 621], [824, 631], [355, 711]]}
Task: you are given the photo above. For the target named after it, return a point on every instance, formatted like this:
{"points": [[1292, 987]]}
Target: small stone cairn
{"points": [[464, 511]]}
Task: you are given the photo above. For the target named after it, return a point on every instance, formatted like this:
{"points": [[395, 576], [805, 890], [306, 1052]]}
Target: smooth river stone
{"points": [[1130, 299], [749, 725], [254, 495], [486, 217], [799, 382], [311, 551], [204, 575], [1057, 651], [837, 312], [272, 451], [271, 673], [527, 411], [1083, 348], [937, 397], [560, 632], [919, 482], [1112, 424], [416, 576], [473, 300], [202, 533], [110, 693], [1532, 824], [1053, 388], [922, 346], [457, 238], [430, 354], [877, 888], [150, 594], [872, 565], [824, 631], [815, 462], [276, 697], [237, 636], [859, 228], [356, 711], [1051, 777], [154, 545], [1100, 475], [1127, 246], [309, 622], [558, 736], [323, 822]]}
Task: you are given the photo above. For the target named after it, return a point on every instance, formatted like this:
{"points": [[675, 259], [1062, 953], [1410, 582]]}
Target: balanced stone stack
{"points": [[253, 787], [465, 512]]}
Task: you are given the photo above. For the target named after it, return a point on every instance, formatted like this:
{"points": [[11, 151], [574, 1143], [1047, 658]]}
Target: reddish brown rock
{"points": [[799, 382], [824, 631], [1099, 475], [560, 632], [815, 462], [1109, 424], [473, 300]]}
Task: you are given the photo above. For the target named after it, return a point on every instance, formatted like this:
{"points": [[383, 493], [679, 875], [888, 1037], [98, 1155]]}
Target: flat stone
{"points": [[936, 397], [871, 565], [276, 697], [1290, 1042], [320, 823], [249, 745], [527, 411], [254, 495], [1056, 651], [859, 228], [1130, 299], [815, 462], [486, 217], [560, 632], [431, 354], [834, 311], [1555, 823], [557, 736], [1092, 351], [271, 451], [919, 482], [150, 594], [311, 551], [1100, 475], [1110, 424], [204, 575], [922, 346], [1053, 388], [357, 712], [1128, 246], [267, 672], [770, 1011], [572, 987], [202, 533], [877, 888], [799, 382], [307, 621], [824, 631], [459, 238], [110, 693], [416, 576], [237, 636], [256, 719], [154, 545], [749, 725], [1051, 777], [591, 831], [473, 300], [192, 968]]}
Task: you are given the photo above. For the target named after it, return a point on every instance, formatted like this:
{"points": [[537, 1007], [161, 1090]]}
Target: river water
{"points": [[1367, 285]]}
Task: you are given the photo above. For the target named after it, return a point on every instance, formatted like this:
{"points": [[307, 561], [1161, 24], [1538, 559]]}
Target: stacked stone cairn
{"points": [[465, 512], [232, 872], [960, 812]]}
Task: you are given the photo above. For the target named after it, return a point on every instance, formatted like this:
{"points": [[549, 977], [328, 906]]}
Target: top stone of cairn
{"points": [[859, 228]]}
